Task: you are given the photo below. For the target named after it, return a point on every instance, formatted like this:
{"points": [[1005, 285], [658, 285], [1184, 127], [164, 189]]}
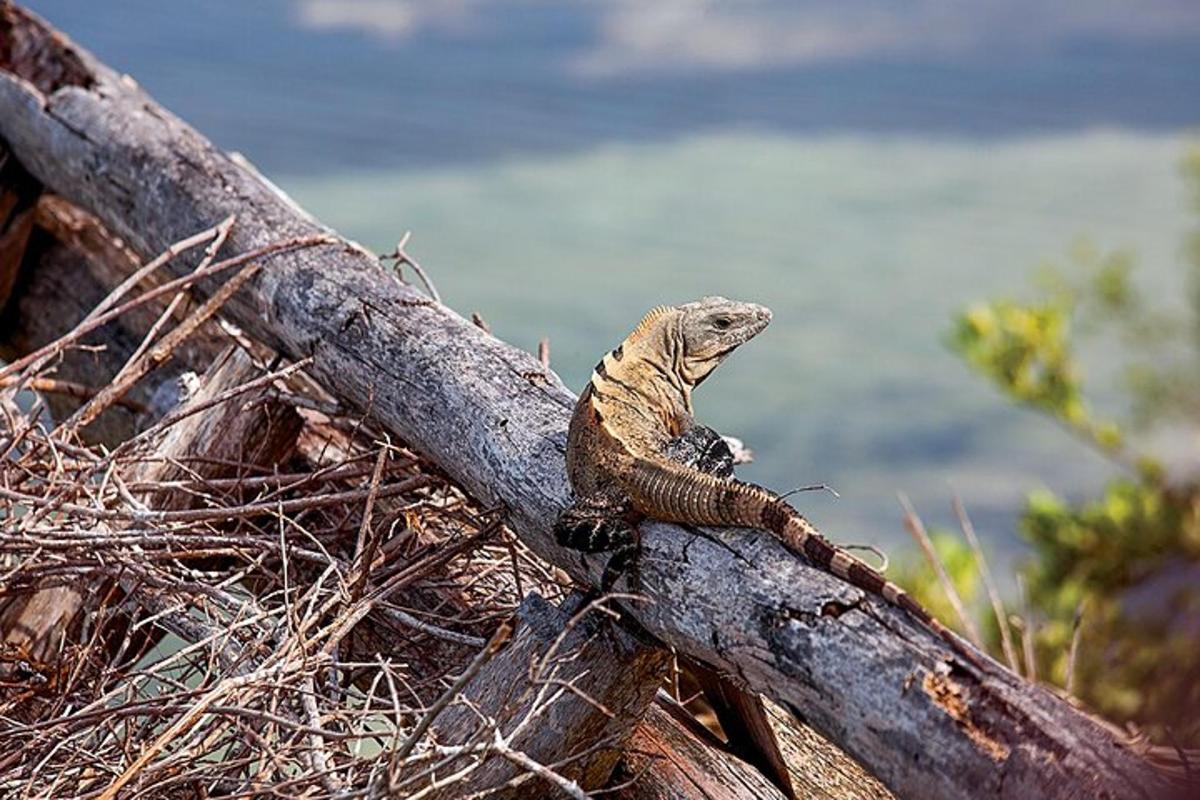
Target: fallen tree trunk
{"points": [[883, 690]]}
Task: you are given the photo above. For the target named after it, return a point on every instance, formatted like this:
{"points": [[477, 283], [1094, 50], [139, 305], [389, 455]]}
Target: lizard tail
{"points": [[666, 491]]}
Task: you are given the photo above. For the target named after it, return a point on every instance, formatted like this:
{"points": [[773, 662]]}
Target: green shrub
{"points": [[1128, 560]]}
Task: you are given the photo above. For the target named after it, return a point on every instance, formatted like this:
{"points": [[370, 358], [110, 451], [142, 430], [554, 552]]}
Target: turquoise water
{"points": [[862, 245]]}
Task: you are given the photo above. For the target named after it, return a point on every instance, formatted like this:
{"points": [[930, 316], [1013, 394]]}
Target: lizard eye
{"points": [[722, 323]]}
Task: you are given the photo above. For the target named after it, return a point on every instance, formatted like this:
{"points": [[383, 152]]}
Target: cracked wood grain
{"points": [[884, 691]]}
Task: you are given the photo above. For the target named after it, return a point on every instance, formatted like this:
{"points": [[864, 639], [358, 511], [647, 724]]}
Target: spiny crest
{"points": [[652, 316]]}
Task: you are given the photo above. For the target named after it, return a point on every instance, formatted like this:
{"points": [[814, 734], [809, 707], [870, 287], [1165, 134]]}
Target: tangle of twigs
{"points": [[243, 629]]}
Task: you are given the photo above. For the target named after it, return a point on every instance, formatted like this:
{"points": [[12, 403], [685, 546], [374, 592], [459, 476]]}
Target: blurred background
{"points": [[868, 169]]}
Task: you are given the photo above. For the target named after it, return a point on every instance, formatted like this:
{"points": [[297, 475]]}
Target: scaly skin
{"points": [[635, 413]]}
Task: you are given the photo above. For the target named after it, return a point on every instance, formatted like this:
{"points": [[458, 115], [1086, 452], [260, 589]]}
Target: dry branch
{"points": [[880, 688], [37, 624], [989, 583], [917, 528], [265, 701], [69, 267]]}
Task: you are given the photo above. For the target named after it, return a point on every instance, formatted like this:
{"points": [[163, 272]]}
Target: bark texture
{"points": [[607, 680], [494, 418], [661, 764]]}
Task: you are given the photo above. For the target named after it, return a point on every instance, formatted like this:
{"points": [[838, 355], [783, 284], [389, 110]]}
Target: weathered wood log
{"points": [[661, 761], [879, 687], [744, 720], [605, 682], [665, 750], [230, 440], [818, 769]]}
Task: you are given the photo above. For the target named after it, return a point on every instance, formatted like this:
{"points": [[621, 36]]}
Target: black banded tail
{"points": [[667, 491]]}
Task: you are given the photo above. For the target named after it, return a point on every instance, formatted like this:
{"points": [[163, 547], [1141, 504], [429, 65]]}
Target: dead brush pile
{"points": [[255, 593]]}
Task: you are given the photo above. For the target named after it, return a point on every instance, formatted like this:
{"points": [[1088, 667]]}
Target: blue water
{"points": [[564, 167]]}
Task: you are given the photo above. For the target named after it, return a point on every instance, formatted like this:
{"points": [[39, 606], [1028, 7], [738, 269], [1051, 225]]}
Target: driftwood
{"points": [[883, 690]]}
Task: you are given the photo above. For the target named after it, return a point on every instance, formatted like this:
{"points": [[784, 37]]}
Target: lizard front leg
{"points": [[600, 524]]}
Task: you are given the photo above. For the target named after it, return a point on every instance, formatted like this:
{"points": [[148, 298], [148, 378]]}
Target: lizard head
{"points": [[652, 373], [711, 328]]}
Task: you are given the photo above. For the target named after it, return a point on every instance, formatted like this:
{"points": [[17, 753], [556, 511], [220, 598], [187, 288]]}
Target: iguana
{"points": [[633, 421]]}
